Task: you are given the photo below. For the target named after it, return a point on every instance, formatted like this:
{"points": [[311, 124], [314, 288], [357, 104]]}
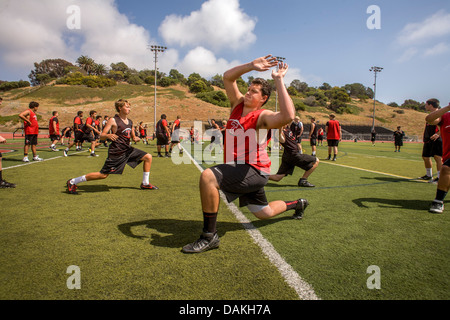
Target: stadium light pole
{"points": [[375, 71], [276, 92], [156, 50]]}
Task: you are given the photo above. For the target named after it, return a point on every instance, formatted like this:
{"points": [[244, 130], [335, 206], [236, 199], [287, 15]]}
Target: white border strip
{"points": [[34, 162], [293, 279]]}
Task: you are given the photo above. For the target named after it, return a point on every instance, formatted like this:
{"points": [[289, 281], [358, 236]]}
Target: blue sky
{"points": [[322, 41]]}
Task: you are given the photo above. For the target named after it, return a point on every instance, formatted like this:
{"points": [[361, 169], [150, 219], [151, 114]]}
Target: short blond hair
{"points": [[120, 104]]}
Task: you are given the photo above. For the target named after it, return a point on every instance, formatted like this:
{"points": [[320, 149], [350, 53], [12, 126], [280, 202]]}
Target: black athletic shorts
{"points": [[116, 164], [31, 139], [89, 137], [333, 143], [78, 136], [313, 141], [241, 181], [432, 148], [55, 137], [303, 161], [162, 139]]}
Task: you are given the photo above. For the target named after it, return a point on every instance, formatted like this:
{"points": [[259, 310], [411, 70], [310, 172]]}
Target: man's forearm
{"points": [[437, 114], [286, 105], [236, 72]]}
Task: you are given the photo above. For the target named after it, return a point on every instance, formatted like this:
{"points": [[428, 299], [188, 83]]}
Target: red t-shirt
{"points": [[51, 131], [333, 132], [77, 123], [32, 128], [241, 134], [445, 134]]}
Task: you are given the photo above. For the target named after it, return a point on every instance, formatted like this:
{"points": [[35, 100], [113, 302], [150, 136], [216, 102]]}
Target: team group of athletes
{"points": [[246, 170]]}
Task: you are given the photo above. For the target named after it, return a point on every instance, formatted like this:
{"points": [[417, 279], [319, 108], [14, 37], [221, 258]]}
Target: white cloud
{"points": [[421, 37], [408, 54], [438, 49], [204, 62], [433, 27], [219, 24], [35, 30]]}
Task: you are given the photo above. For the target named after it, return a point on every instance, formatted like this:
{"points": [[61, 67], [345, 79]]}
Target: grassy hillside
{"points": [[173, 101]]}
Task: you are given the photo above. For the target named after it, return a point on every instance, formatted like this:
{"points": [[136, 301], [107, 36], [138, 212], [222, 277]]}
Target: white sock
{"points": [[314, 153], [438, 174], [78, 180], [146, 178], [429, 172]]}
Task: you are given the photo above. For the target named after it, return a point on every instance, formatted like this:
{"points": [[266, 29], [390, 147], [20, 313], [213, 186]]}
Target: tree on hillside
{"points": [[325, 86], [87, 64], [99, 69], [176, 75], [53, 68], [300, 86], [120, 66], [217, 81], [358, 90]]}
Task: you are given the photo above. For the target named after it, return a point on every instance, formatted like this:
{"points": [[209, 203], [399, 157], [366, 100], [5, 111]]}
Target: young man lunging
{"points": [[120, 152], [246, 168]]}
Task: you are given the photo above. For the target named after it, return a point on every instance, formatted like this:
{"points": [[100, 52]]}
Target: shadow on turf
{"points": [[101, 188], [393, 179], [181, 232], [395, 203]]}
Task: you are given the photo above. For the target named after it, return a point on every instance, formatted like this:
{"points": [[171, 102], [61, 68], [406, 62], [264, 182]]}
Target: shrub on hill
{"points": [[217, 98], [9, 85], [78, 79]]}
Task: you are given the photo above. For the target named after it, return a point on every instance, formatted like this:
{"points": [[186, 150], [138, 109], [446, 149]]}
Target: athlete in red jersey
{"points": [[334, 135], [176, 135], [442, 117], [53, 130], [245, 171], [31, 127], [120, 152]]}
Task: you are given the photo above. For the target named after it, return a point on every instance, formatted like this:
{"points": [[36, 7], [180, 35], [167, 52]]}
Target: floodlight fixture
{"points": [[156, 50]]}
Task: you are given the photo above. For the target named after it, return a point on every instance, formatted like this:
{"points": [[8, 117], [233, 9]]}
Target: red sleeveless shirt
{"points": [[32, 128], [241, 143]]}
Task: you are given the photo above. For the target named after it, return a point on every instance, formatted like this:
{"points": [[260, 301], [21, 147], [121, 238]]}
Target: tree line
{"points": [[89, 73]]}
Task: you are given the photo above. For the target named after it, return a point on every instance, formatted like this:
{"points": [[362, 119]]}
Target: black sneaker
{"points": [[207, 241], [425, 177], [300, 209], [305, 183], [329, 158], [437, 207], [148, 187], [6, 185], [71, 188]]}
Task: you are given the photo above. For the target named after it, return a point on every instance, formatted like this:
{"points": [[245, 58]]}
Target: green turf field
{"points": [[366, 210]]}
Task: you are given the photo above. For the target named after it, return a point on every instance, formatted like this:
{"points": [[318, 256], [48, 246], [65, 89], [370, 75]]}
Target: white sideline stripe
{"points": [[303, 289], [34, 162], [366, 170]]}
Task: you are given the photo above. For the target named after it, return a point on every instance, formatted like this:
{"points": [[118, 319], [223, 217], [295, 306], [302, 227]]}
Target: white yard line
{"points": [[34, 162]]}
